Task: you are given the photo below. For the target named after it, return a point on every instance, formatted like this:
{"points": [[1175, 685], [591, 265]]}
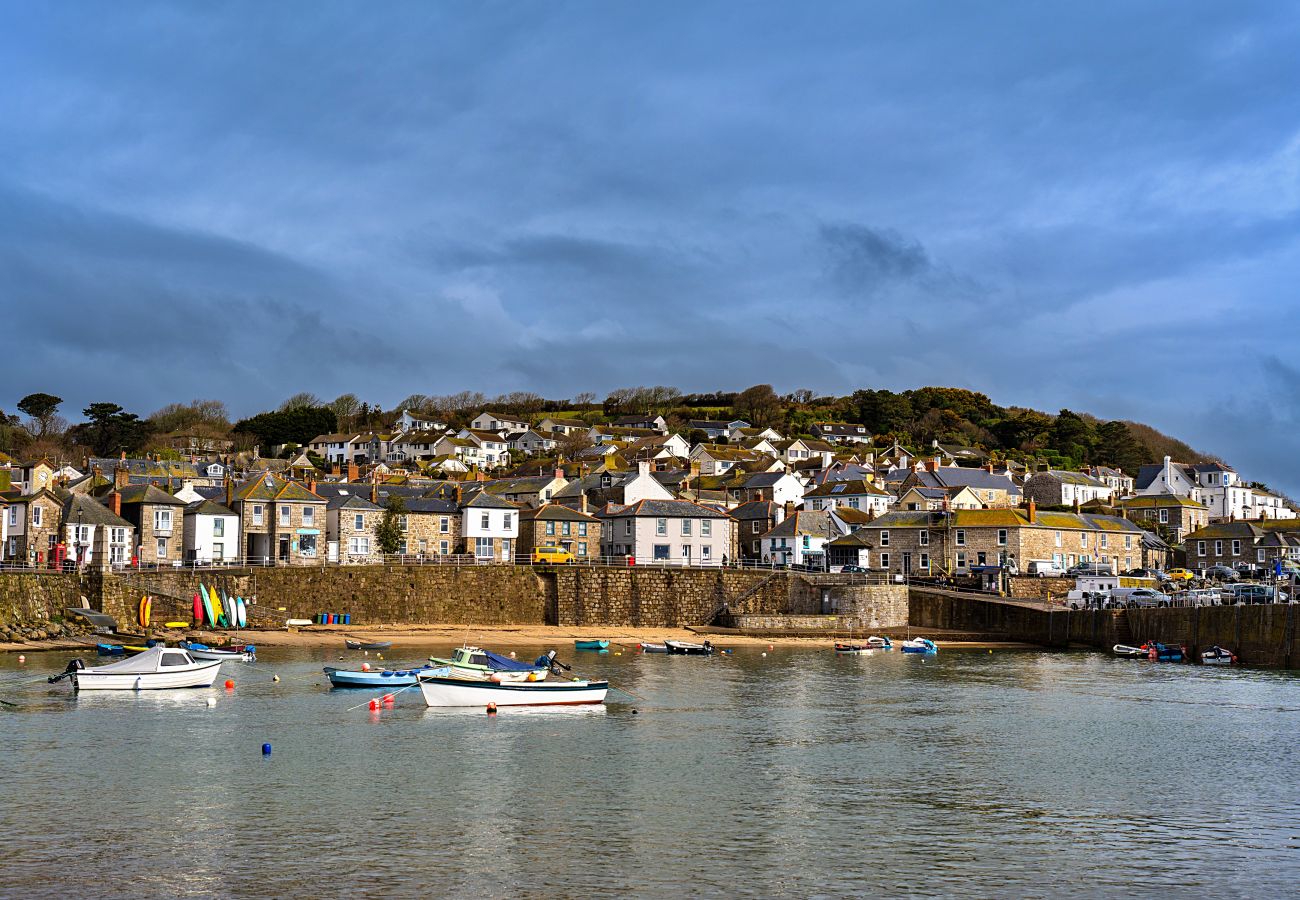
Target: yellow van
{"points": [[552, 555]]}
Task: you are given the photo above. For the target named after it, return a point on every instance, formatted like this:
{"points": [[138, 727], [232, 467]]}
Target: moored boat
{"points": [[647, 647], [474, 662], [1218, 656], [1152, 650], [686, 648], [1130, 652], [366, 645], [241, 653], [381, 678], [919, 645], [158, 668], [591, 645], [440, 690], [870, 645]]}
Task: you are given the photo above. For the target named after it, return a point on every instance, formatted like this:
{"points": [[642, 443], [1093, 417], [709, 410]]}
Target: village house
{"points": [[852, 549], [210, 533], [553, 525], [430, 526], [752, 435], [841, 433], [995, 490], [408, 421], [714, 429], [1120, 484], [1233, 543], [490, 526], [500, 423], [351, 524], [159, 522], [621, 488], [719, 459], [531, 443], [659, 446], [923, 498], [530, 491], [855, 494], [802, 450], [779, 487], [31, 528], [340, 448], [481, 449], [652, 423], [800, 540], [280, 520], [1169, 514], [554, 427], [96, 536], [1060, 487], [753, 520], [675, 532], [957, 542]]}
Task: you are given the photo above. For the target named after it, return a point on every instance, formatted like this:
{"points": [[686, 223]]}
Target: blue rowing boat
{"points": [[373, 678], [591, 645], [919, 645]]}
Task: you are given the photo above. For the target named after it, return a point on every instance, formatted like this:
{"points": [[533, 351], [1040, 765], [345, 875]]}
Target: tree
{"points": [[883, 411], [758, 405], [296, 426], [1116, 446], [570, 445], [584, 400], [389, 533], [200, 415], [300, 400], [109, 429], [346, 406], [44, 410]]}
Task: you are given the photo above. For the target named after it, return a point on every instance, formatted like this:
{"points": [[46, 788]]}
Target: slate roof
{"points": [[1065, 476], [1004, 518], [79, 508], [556, 512], [353, 502], [1151, 501], [484, 500], [976, 479], [680, 509], [147, 493], [430, 505], [853, 488], [763, 479], [755, 509], [271, 487], [814, 522], [207, 507], [852, 539]]}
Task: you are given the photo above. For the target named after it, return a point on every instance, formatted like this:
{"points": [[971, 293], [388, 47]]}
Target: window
{"points": [[401, 523], [582, 549], [661, 526], [686, 526], [988, 495], [37, 514], [1200, 548], [162, 520], [757, 548], [485, 521], [307, 545], [661, 551], [284, 516], [981, 559], [627, 527], [550, 528], [706, 552], [884, 560], [1102, 541], [961, 559], [1164, 517], [925, 560], [444, 547], [257, 514], [706, 528], [359, 546], [483, 547], [1236, 548], [1218, 548], [960, 539], [219, 527], [162, 548], [1083, 539], [424, 547], [924, 538], [582, 529], [506, 521], [758, 526], [884, 538], [1259, 555], [1058, 539], [444, 525], [1002, 537], [358, 522]]}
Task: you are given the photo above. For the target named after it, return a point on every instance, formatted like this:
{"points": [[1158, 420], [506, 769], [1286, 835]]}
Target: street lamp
{"points": [[77, 539]]}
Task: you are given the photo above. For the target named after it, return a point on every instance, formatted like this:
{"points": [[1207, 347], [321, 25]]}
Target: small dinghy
{"points": [[158, 668], [1130, 652], [870, 645], [474, 662], [110, 649], [239, 653], [382, 678], [686, 648], [653, 648], [591, 645], [367, 645], [441, 690], [1218, 656], [919, 645]]}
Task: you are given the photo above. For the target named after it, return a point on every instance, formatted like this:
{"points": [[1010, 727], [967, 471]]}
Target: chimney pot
{"points": [[117, 504], [643, 468], [1033, 511]]}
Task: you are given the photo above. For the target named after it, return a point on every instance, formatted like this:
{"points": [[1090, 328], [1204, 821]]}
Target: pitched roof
{"points": [[680, 509], [270, 487], [81, 509], [1065, 476], [755, 509], [353, 502], [854, 487], [814, 522], [555, 512], [1004, 518], [484, 500], [147, 493], [206, 507]]}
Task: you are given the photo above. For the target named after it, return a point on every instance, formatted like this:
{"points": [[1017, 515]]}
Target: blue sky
{"points": [[1091, 206]]}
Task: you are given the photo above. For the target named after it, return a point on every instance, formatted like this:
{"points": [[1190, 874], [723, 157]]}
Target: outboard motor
{"points": [[76, 665]]}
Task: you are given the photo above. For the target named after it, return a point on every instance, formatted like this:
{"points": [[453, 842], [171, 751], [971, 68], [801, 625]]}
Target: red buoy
{"points": [[491, 709], [230, 685]]}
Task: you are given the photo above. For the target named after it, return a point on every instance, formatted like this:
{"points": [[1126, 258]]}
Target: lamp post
{"points": [[77, 539]]}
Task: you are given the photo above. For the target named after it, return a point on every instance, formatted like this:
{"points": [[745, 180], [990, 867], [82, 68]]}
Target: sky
{"points": [[1092, 206]]}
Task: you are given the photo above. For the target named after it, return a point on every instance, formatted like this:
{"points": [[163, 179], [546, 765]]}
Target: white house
{"points": [[800, 539], [841, 433], [340, 448], [675, 532], [211, 533], [498, 422], [408, 422], [490, 528], [854, 494], [485, 449], [551, 425], [530, 442]]}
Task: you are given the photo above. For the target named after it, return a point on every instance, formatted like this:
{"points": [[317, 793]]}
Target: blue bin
{"points": [[347, 618]]}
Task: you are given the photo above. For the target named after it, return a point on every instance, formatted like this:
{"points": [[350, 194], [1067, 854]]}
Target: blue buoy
{"points": [[266, 749]]}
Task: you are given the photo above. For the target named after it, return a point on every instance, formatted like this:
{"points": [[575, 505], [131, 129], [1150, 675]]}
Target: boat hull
{"points": [[920, 645], [367, 645], [443, 691], [591, 645], [222, 655], [200, 675], [352, 679], [653, 648], [686, 648]]}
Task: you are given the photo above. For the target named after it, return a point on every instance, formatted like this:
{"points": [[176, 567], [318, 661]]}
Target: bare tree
{"points": [[300, 400]]}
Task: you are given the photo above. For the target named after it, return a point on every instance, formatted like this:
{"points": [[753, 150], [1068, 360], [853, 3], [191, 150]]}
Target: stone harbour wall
{"points": [[32, 604]]}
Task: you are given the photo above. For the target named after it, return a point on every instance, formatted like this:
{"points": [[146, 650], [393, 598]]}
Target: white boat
{"points": [[441, 690], [1218, 656], [201, 651], [686, 648], [476, 663], [919, 645], [158, 668]]}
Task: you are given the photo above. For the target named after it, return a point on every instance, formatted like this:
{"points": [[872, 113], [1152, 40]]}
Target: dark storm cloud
{"points": [[1091, 206]]}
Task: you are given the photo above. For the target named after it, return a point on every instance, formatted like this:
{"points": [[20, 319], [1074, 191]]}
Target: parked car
{"points": [[1142, 573], [1257, 593], [1200, 597], [1179, 575], [1140, 598], [1221, 573], [1088, 569], [854, 570], [1044, 568], [551, 555]]}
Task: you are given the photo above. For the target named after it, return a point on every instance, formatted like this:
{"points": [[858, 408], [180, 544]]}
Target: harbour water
{"points": [[793, 774]]}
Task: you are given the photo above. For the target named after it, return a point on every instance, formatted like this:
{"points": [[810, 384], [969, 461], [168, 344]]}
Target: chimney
{"points": [[117, 504], [1033, 511], [582, 502], [1076, 503], [374, 492], [480, 476], [121, 475], [643, 469], [123, 456], [230, 489], [778, 514], [988, 467], [336, 470], [311, 484], [458, 494], [559, 473], [354, 473], [932, 465]]}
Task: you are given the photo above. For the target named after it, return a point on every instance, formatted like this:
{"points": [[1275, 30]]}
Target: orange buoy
{"points": [[230, 685], [491, 709], [374, 704]]}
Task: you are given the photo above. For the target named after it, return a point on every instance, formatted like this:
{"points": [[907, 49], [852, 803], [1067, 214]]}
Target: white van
{"points": [[1044, 568]]}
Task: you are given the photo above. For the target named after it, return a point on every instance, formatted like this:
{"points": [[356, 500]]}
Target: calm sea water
{"points": [[799, 774]]}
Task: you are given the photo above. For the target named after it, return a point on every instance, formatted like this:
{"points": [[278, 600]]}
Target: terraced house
{"points": [[955, 542], [554, 525], [159, 520], [666, 531], [1256, 543], [281, 520], [1170, 515]]}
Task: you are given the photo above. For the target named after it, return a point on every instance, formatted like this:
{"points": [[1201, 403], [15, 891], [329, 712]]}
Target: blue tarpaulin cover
{"points": [[506, 664]]}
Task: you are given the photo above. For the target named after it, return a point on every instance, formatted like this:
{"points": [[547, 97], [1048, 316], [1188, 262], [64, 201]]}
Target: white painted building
{"points": [[211, 533]]}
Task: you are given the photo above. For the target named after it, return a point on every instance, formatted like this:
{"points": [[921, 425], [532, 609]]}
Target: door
{"points": [[907, 563], [284, 549]]}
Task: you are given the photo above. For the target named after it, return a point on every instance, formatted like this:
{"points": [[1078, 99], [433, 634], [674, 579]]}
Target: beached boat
{"points": [[653, 648], [474, 662], [378, 678], [440, 690], [366, 645], [686, 648], [1130, 652], [591, 645], [110, 649], [240, 653], [1152, 650], [870, 645], [919, 645], [1218, 656], [158, 668]]}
